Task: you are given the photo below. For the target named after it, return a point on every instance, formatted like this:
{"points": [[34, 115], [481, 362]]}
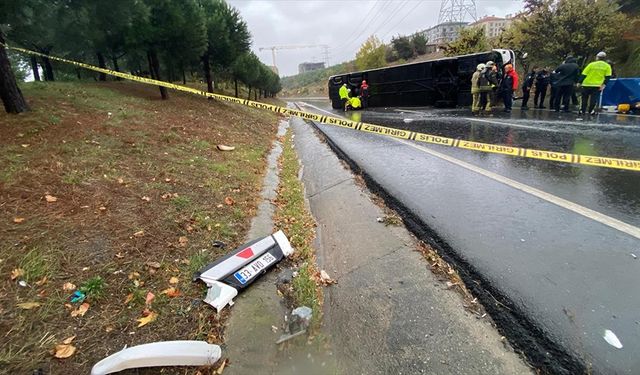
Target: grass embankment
{"points": [[293, 217], [106, 189]]}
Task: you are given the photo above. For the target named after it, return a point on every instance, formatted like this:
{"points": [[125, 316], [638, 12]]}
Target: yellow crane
{"points": [[325, 50]]}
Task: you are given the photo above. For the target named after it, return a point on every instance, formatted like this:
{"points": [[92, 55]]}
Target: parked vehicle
{"points": [[443, 82]]}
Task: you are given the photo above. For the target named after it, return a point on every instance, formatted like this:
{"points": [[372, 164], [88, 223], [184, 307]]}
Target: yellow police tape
{"points": [[633, 165]]}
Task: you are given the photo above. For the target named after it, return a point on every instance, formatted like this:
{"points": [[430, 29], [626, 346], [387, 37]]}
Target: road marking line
{"points": [[605, 126], [555, 123], [561, 202]]}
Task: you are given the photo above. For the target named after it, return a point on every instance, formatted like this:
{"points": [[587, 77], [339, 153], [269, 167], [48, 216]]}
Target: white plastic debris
{"points": [[226, 148], [407, 120], [168, 353], [220, 295], [612, 339]]}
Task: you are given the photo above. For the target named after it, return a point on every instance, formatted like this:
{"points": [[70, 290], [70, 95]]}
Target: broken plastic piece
{"points": [[226, 148], [612, 339], [77, 296], [238, 269], [168, 353], [220, 295]]}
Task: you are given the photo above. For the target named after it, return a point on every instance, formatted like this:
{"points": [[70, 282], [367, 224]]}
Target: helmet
{"points": [[344, 84], [490, 63], [480, 66], [364, 81], [601, 54]]}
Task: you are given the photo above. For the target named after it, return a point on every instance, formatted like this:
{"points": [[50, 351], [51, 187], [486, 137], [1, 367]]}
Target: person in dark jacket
{"points": [[508, 85], [566, 76], [542, 85], [527, 84]]}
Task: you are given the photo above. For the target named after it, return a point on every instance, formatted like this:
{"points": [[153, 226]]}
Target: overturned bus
{"points": [[444, 82]]}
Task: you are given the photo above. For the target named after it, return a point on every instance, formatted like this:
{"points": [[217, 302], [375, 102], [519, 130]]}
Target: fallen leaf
{"points": [[68, 286], [139, 233], [25, 145], [128, 299], [69, 340], [147, 319], [29, 305], [80, 311], [119, 255], [42, 281], [325, 279], [167, 180], [64, 351], [102, 208], [229, 201], [153, 264], [171, 292], [18, 220], [174, 280], [222, 366], [183, 241], [150, 297], [146, 199], [108, 329], [18, 272], [120, 180], [133, 275], [50, 198]]}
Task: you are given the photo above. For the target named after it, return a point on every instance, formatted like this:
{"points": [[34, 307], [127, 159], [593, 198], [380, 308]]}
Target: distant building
{"points": [[441, 34], [493, 26], [307, 67]]}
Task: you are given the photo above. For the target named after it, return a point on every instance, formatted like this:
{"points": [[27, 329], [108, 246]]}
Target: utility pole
{"points": [[457, 11]]}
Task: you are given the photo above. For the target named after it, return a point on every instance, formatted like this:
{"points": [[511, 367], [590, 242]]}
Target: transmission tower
{"points": [[457, 11]]}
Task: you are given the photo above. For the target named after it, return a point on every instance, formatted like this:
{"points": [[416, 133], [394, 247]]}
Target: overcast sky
{"points": [[343, 25]]}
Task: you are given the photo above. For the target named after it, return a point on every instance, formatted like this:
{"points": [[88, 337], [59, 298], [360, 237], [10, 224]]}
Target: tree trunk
{"points": [[48, 69], [184, 77], [206, 67], [155, 67], [34, 67], [78, 73], [249, 96], [103, 65], [151, 73], [255, 95], [116, 67], [9, 91], [235, 81]]}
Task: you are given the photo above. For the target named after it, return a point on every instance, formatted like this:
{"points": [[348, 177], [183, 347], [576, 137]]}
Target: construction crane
{"points": [[325, 50]]}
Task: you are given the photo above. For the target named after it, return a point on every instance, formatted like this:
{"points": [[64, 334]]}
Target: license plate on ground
{"points": [[254, 268]]}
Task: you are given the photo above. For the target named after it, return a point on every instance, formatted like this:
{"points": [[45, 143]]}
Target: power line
{"points": [[391, 16], [402, 19], [364, 29]]}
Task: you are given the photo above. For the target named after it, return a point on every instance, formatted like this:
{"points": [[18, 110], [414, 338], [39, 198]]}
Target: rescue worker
{"points": [[527, 84], [508, 85], [364, 93], [593, 80], [344, 95], [542, 85], [491, 74], [475, 89], [485, 89], [566, 76]]}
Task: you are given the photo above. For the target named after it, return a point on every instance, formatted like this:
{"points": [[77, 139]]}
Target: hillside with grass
{"points": [[113, 196]]}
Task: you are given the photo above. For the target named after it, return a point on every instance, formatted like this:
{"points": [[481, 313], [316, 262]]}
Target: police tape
{"points": [[598, 161]]}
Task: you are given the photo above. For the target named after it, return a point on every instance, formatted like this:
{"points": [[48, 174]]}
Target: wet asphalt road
{"points": [[571, 275]]}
